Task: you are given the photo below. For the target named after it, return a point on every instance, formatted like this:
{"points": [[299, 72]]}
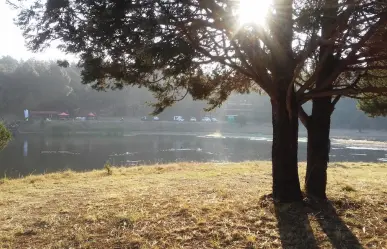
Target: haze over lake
{"points": [[38, 154]]}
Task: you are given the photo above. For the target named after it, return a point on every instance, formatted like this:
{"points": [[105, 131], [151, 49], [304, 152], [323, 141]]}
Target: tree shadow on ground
{"points": [[296, 231], [294, 227], [340, 236]]}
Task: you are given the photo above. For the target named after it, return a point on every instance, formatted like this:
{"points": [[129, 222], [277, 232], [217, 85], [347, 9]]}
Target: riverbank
{"points": [[190, 206]]}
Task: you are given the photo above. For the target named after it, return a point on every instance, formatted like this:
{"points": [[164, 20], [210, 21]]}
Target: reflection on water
{"points": [[47, 154], [366, 148], [25, 148]]}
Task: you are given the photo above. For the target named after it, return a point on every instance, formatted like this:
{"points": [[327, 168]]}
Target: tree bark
{"points": [[318, 148], [286, 185], [320, 120]]}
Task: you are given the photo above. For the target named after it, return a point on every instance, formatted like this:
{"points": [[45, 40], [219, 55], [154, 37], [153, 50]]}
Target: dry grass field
{"points": [[189, 205]]}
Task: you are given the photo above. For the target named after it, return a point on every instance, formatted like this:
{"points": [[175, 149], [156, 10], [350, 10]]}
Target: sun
{"points": [[253, 11]]}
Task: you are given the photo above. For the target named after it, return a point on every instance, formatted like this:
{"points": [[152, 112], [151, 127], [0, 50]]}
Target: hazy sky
{"points": [[12, 41]]}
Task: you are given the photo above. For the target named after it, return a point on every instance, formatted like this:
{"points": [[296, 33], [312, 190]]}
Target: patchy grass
{"points": [[348, 188], [191, 205]]}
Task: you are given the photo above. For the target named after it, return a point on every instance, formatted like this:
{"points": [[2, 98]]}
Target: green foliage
{"points": [[374, 107], [5, 136]]}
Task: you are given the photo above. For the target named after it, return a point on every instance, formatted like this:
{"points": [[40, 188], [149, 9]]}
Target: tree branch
{"points": [[348, 91], [334, 102]]}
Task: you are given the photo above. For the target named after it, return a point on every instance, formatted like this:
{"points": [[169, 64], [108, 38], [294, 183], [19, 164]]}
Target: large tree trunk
{"points": [[318, 148], [286, 185]]}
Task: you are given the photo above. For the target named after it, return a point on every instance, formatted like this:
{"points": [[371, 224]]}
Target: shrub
{"points": [[5, 136]]}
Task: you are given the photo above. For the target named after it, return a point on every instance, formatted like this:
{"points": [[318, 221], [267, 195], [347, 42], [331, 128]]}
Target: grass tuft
{"points": [[4, 179], [348, 188], [108, 168]]}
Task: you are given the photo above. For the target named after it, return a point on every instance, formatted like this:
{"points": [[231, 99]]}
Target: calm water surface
{"points": [[38, 154]]}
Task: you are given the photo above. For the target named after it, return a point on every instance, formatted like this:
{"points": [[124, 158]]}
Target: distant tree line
{"points": [[42, 85], [45, 86]]}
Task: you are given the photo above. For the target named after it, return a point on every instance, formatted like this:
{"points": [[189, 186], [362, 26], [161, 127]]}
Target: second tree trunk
{"points": [[318, 148]]}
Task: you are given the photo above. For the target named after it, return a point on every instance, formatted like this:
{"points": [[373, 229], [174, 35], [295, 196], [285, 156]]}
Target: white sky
{"points": [[12, 41]]}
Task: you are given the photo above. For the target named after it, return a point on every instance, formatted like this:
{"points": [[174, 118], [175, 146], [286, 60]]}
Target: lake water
{"points": [[39, 154]]}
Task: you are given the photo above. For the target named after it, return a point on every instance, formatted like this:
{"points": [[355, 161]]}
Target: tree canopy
{"points": [[174, 47]]}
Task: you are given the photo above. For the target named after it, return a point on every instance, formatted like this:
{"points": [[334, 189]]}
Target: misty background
{"points": [[44, 86]]}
